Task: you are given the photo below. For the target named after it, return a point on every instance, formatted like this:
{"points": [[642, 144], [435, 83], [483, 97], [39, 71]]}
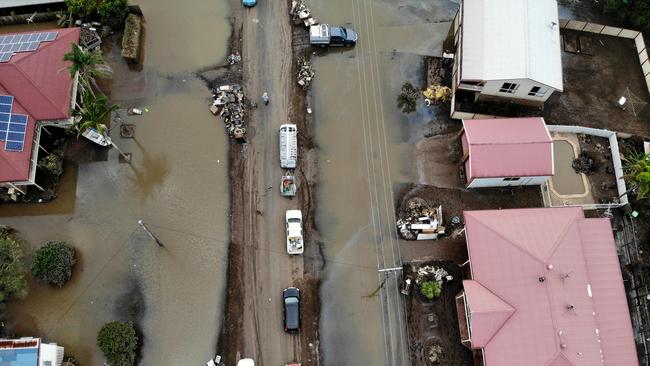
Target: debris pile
{"points": [[305, 73], [435, 354], [301, 14], [436, 94], [229, 105], [234, 58], [430, 279], [585, 163], [420, 221]]}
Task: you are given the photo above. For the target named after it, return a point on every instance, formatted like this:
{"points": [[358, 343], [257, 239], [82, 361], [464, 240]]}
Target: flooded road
{"points": [[176, 184], [366, 148]]}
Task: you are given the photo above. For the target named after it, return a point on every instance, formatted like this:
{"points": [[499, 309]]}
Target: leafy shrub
{"points": [[12, 279], [109, 8], [118, 341], [431, 289], [81, 7], [637, 169], [52, 163], [53, 263]]}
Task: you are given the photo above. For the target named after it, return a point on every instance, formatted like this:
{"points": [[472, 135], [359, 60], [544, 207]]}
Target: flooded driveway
{"points": [[365, 150], [176, 184]]}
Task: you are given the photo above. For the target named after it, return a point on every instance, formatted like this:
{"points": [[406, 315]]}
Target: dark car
{"points": [[291, 302], [340, 36]]}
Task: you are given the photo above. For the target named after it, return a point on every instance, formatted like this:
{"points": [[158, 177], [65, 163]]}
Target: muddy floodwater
{"points": [[176, 184], [366, 148]]}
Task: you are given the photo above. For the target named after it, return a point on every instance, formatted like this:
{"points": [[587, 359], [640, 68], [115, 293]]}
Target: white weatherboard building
{"points": [[28, 351], [507, 50]]}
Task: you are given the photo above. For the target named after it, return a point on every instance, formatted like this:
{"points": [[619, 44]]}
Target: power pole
{"points": [[146, 229]]}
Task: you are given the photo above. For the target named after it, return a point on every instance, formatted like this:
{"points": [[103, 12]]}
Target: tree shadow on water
{"points": [[152, 173]]}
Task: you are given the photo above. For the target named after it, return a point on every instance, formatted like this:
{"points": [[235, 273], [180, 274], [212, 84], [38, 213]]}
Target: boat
{"points": [[96, 137], [288, 186]]}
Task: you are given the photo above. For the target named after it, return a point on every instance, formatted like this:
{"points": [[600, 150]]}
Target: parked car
{"points": [[246, 362], [249, 4], [326, 35], [291, 303], [293, 220]]}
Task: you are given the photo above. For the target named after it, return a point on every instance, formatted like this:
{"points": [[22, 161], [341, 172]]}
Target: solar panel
{"points": [[13, 126], [27, 42]]}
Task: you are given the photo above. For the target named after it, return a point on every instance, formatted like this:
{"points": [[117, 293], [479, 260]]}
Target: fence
{"points": [[607, 30], [616, 160]]}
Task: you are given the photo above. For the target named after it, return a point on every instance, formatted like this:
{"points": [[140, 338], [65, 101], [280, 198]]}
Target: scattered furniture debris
{"points": [[305, 73], [301, 14], [420, 221], [229, 104], [234, 58]]}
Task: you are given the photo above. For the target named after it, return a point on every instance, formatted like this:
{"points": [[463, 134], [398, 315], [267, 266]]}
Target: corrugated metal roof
{"points": [[41, 85], [560, 272], [508, 147], [511, 39]]}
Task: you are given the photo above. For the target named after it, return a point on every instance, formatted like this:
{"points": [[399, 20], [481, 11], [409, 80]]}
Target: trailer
{"points": [[288, 146], [288, 186]]}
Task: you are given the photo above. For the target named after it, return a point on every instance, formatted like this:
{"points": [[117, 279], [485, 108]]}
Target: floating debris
{"points": [[229, 104], [301, 14], [234, 58], [305, 73], [420, 221]]}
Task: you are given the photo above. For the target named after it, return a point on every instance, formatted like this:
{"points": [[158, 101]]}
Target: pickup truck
{"points": [[294, 232], [327, 35]]}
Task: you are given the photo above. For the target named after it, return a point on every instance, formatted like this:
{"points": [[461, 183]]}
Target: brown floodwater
{"points": [[366, 150], [176, 183]]}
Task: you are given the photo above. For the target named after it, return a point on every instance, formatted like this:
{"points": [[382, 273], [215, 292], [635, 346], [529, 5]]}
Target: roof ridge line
{"points": [[559, 238], [38, 90], [510, 241], [511, 143], [514, 310]]}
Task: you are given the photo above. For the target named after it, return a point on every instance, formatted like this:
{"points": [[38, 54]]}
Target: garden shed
{"points": [[506, 152]]}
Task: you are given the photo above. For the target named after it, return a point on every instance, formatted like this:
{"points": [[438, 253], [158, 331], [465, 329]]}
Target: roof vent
{"points": [[541, 279], [563, 345], [549, 267]]}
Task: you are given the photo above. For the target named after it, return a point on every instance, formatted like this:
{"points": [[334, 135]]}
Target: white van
{"points": [[288, 146], [246, 362]]}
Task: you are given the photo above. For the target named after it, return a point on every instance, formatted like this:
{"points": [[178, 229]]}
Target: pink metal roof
{"points": [[489, 312], [41, 86], [577, 316], [508, 147]]}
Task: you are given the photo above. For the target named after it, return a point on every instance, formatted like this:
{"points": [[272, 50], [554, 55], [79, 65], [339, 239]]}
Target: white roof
{"points": [[14, 3], [511, 39]]}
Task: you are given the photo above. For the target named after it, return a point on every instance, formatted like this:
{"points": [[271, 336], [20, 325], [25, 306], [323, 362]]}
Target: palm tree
{"points": [[637, 169], [93, 113], [89, 64]]}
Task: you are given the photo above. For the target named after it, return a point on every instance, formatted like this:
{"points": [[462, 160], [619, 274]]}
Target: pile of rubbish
{"points": [[305, 73], [585, 163], [436, 94], [420, 221], [300, 13], [229, 105], [233, 58], [432, 273]]}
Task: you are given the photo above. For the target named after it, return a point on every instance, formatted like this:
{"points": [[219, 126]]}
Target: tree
{"points": [[637, 173], [12, 279], [109, 8], [89, 64], [431, 289], [407, 98], [81, 7], [93, 113], [53, 263], [636, 11], [118, 341], [52, 163]]}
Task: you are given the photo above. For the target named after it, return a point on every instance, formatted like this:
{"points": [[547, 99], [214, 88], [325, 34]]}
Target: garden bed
{"points": [[131, 38]]}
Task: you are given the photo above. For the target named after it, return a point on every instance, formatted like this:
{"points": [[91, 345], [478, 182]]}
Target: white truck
{"points": [[328, 35], [288, 146], [294, 232]]}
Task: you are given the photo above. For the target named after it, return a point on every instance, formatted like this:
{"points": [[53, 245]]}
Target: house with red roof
{"points": [[506, 152], [545, 288], [36, 91]]}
